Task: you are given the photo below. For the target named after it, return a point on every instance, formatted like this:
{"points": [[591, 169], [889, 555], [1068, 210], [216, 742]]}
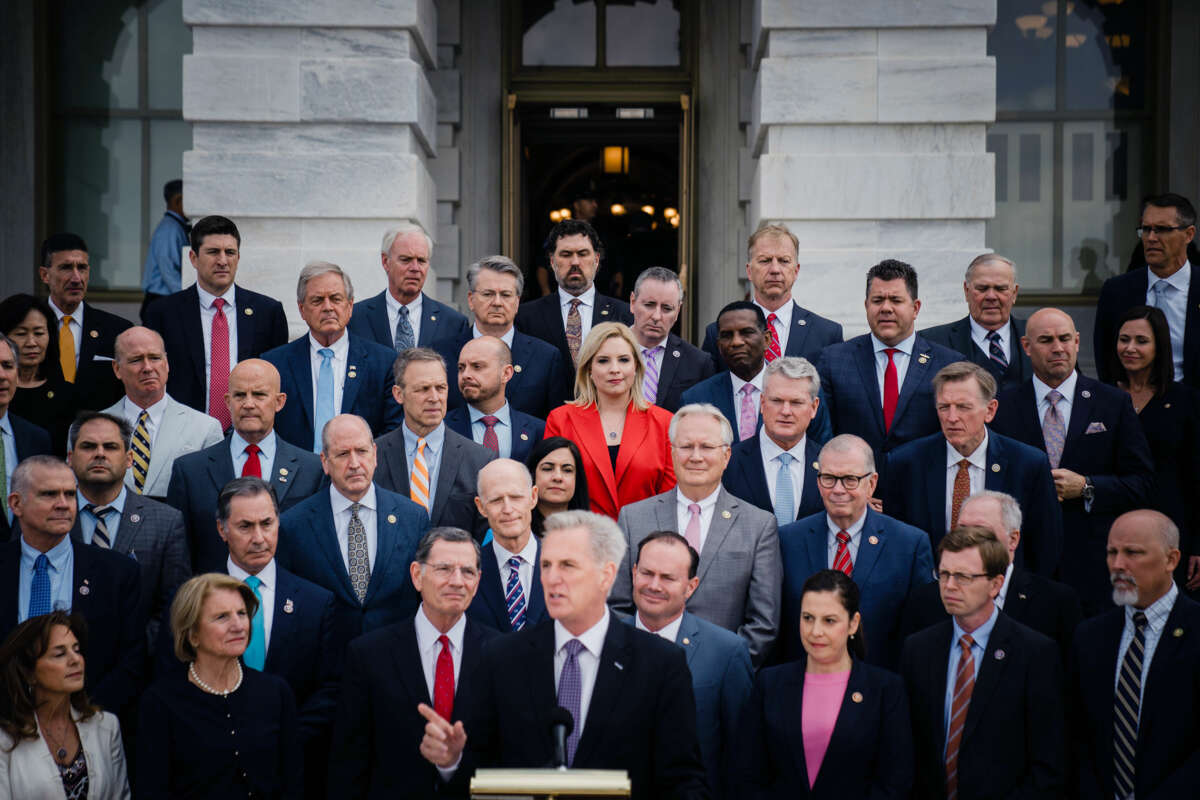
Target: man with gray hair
{"points": [[628, 692], [402, 315], [738, 543], [21, 438], [331, 370], [672, 365]]}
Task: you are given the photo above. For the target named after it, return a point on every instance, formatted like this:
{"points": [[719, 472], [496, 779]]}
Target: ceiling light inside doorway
{"points": [[669, 212], [648, 210], [617, 209], [616, 159]]}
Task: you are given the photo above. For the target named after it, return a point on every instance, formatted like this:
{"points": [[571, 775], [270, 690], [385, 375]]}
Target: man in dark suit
{"points": [[424, 460], [629, 693], [349, 538], [771, 267], [1048, 607], [251, 450], [113, 518], [1135, 673], [782, 449], [44, 570], [1167, 228], [510, 590], [664, 577], [390, 672], [985, 692], [331, 370], [1099, 456], [885, 557], [672, 365], [989, 335], [247, 324], [564, 318], [86, 335], [932, 476], [878, 385], [402, 315], [21, 438], [485, 371]]}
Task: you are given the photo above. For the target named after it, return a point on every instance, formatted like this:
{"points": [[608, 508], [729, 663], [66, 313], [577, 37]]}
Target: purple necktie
{"points": [[650, 384], [1053, 429], [570, 693], [748, 418]]}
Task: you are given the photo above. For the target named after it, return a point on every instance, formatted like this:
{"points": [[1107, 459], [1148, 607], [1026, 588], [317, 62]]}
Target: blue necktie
{"points": [[256, 652], [39, 590], [324, 401], [514, 598], [785, 493], [404, 331]]}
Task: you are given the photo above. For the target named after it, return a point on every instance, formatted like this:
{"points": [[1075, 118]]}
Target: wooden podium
{"points": [[551, 784]]}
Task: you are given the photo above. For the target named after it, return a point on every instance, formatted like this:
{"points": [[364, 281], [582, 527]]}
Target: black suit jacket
{"points": [[377, 736], [1168, 745], [957, 336], [641, 717], [540, 381], [261, 326], [542, 319], [526, 430], [30, 440], [680, 367], [1121, 293], [488, 606], [97, 384], [745, 477], [1013, 743], [810, 334]]}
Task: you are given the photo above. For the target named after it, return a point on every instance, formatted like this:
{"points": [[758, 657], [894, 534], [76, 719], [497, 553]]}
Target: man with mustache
{"points": [[485, 372]]}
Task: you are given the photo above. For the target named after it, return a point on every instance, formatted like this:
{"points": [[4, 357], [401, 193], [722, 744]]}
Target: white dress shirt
{"points": [[587, 304], [341, 353], [341, 522], [670, 631], [266, 454], [507, 337], [528, 556], [207, 315], [1174, 308], [1156, 620], [1000, 598], [131, 411], [428, 647], [1066, 389], [414, 315], [783, 322], [266, 590], [979, 336], [503, 428], [76, 326], [900, 359], [707, 506], [771, 466], [755, 396], [589, 661], [976, 471], [855, 531]]}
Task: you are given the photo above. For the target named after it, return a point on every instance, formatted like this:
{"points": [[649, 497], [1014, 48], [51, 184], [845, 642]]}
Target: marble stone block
{"points": [[304, 139], [937, 89], [813, 90], [445, 173], [969, 137], [830, 42], [447, 88], [447, 256], [770, 14], [241, 88], [970, 43], [368, 90]]}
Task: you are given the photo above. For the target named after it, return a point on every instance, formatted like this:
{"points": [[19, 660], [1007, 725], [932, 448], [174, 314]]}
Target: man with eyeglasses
{"points": [[738, 543], [885, 557], [985, 692], [1166, 230]]}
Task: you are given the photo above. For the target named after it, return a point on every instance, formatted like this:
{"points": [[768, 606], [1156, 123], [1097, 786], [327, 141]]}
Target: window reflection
{"points": [[642, 33], [1023, 43], [1106, 56], [559, 33]]}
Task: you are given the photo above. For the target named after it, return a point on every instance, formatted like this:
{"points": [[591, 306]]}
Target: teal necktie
{"points": [[256, 652]]}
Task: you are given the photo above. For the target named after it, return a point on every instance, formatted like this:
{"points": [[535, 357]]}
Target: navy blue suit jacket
{"points": [[30, 440], [916, 493], [542, 319], [854, 397], [1167, 753], [1121, 293], [870, 753], [96, 384], [893, 559], [957, 336], [488, 606], [540, 383], [308, 546], [1115, 455], [718, 390], [526, 430], [198, 478], [745, 477], [438, 322], [680, 367], [810, 334], [367, 390], [261, 326]]}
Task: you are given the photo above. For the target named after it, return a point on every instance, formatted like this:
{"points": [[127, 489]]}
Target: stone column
{"points": [[314, 123], [868, 123]]}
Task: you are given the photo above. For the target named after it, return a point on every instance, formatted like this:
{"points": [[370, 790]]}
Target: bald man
{"points": [[510, 584], [485, 366], [163, 429], [1099, 457], [252, 448]]}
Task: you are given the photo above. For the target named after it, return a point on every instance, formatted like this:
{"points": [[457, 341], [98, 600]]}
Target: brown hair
{"points": [[964, 537], [189, 600], [772, 229]]}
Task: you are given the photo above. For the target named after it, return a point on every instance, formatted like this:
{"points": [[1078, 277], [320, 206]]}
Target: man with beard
{"points": [[484, 369]]}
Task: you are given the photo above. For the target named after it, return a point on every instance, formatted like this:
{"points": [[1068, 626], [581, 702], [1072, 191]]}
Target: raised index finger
{"points": [[435, 719]]}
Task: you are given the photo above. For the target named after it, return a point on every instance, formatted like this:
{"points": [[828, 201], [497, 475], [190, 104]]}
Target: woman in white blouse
{"points": [[54, 743]]}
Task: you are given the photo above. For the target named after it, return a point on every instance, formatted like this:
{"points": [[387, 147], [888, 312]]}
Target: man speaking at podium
{"points": [[628, 692]]}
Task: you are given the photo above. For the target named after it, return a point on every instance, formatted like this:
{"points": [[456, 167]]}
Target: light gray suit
{"points": [[183, 430], [740, 572]]}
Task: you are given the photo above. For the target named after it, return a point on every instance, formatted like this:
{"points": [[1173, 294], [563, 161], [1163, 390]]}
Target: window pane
{"points": [[100, 196], [1106, 55], [97, 59], [642, 33], [559, 33], [167, 41], [1023, 43], [1023, 228], [168, 139]]}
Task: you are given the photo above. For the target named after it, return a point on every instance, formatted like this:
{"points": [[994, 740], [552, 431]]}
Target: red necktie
{"points": [[252, 467], [218, 366], [490, 441], [773, 352], [443, 680], [891, 389], [841, 557]]}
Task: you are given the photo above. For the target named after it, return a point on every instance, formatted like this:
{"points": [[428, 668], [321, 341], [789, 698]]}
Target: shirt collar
{"points": [[670, 631], [237, 445], [179, 217], [507, 337], [854, 529], [76, 315], [528, 553], [705, 504], [978, 456], [592, 638], [503, 413], [756, 381], [1180, 279], [979, 635], [1158, 611], [433, 439], [427, 632], [1066, 389], [771, 450], [783, 315], [155, 410], [980, 332], [339, 502], [206, 297], [6, 425], [588, 298], [905, 346], [340, 348], [266, 575], [57, 555], [118, 504], [394, 305]]}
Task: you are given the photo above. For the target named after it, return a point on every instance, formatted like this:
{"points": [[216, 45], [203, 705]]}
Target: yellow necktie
{"points": [[66, 349]]}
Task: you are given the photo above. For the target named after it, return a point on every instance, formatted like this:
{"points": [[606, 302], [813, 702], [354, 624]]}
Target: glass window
{"points": [[642, 33], [558, 33]]}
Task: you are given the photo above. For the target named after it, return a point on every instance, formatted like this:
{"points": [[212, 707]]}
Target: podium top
{"points": [[499, 783]]}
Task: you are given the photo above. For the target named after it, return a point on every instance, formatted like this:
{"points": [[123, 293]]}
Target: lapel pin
{"points": [[618, 664], [725, 514], [686, 640], [604, 313], [351, 375], [1021, 595], [94, 334], [802, 322], [873, 540], [282, 479], [923, 359], [392, 519], [816, 465], [516, 367], [524, 437], [995, 467], [135, 517], [999, 655], [433, 317], [1086, 394], [674, 354], [84, 590], [249, 312], [288, 607], [1177, 632], [857, 697], [133, 554], [50, 396], [283, 471]]}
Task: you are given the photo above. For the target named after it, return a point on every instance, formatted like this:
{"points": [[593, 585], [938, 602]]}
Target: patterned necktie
{"points": [[100, 536], [324, 401], [692, 531], [1127, 709], [256, 652], [841, 556], [962, 490], [418, 481], [574, 330], [773, 351], [39, 589], [404, 332], [490, 440], [1160, 292], [66, 349], [650, 384], [964, 684], [748, 413], [1053, 430], [570, 693], [514, 598], [141, 452], [891, 389], [785, 492], [356, 554], [995, 351], [253, 466], [218, 366], [443, 680]]}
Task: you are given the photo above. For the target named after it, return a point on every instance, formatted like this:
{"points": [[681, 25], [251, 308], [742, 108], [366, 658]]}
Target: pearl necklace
{"points": [[211, 690]]}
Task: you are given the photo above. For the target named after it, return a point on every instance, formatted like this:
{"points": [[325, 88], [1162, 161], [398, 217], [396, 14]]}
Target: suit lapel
{"points": [[490, 588], [430, 322], [811, 469], [688, 637], [245, 323], [132, 517], [301, 369], [664, 511], [850, 719], [81, 601], [816, 544], [607, 692], [396, 457], [604, 311], [174, 421], [408, 661], [1081, 410], [916, 376], [997, 465], [286, 465], [90, 344], [668, 363], [451, 458], [589, 435], [1030, 422], [795, 690], [385, 545], [872, 540], [1158, 686], [725, 516], [756, 475], [537, 598], [194, 334], [1016, 597], [356, 357], [989, 673], [377, 318], [220, 465], [935, 488], [542, 694], [798, 336], [865, 357], [321, 521], [637, 427], [283, 622], [724, 401]]}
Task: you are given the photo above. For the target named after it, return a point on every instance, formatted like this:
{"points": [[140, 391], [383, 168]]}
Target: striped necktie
{"points": [[418, 481], [100, 535], [1127, 710], [841, 556], [514, 598], [964, 685], [141, 452], [650, 384], [995, 351]]}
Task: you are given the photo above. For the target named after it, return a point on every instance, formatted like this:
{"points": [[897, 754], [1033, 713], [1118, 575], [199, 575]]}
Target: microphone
{"points": [[561, 725]]}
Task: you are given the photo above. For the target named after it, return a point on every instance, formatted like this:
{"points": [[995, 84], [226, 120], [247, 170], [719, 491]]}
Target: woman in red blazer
{"points": [[623, 438]]}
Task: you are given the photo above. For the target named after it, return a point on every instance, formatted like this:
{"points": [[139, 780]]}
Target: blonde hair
{"points": [[585, 390], [189, 601]]}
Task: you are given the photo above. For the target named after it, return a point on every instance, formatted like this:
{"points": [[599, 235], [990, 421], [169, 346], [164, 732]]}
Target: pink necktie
{"points": [[218, 366], [748, 417], [692, 534]]}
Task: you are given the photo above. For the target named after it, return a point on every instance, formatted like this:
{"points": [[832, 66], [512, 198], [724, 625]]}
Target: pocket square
{"points": [[1095, 427], [102, 358]]}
